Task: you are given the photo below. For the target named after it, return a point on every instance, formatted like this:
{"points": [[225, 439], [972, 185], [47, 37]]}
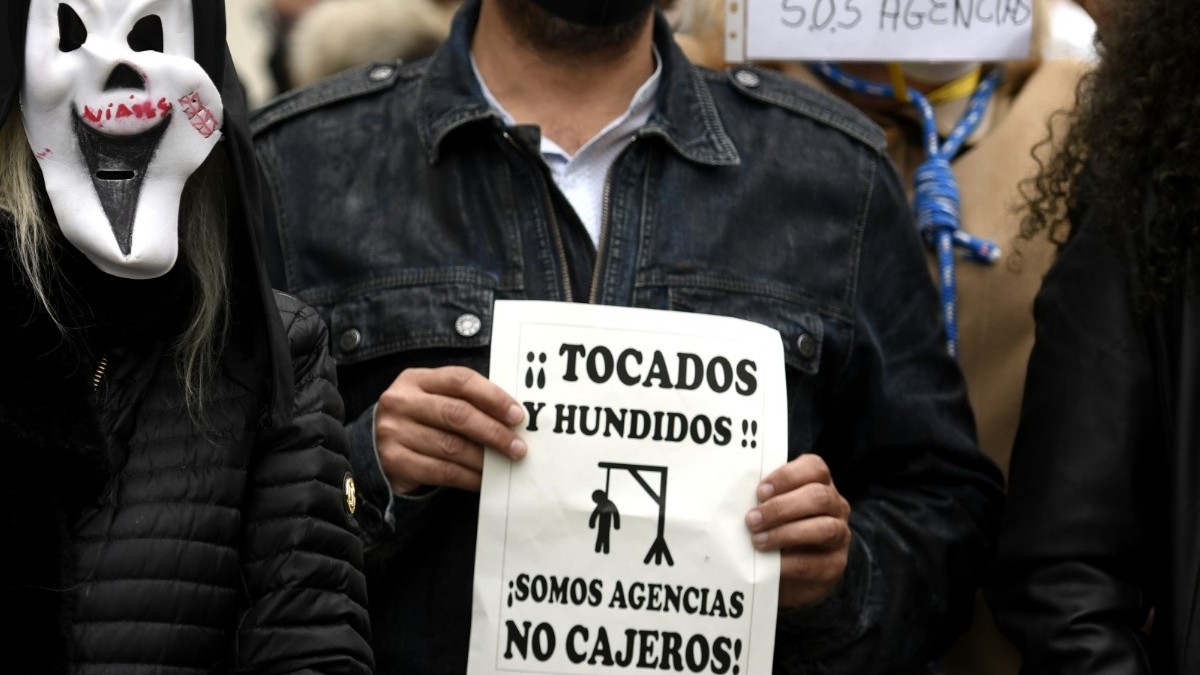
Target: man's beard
{"points": [[550, 34]]}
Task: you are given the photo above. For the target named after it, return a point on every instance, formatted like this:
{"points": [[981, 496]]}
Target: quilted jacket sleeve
{"points": [[301, 561]]}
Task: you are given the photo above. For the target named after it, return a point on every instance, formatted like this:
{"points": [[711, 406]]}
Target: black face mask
{"points": [[596, 12]]}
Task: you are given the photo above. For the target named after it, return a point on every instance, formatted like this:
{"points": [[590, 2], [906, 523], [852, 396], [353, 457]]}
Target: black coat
{"points": [[134, 537], [1103, 518]]}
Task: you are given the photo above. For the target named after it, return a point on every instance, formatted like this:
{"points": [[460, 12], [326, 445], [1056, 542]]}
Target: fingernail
{"points": [[765, 491], [754, 518], [515, 414], [517, 449], [760, 540]]}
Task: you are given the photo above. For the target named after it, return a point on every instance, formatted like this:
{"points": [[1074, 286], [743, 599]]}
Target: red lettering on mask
{"points": [[143, 110]]}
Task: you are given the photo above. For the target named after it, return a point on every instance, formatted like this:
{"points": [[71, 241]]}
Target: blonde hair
{"points": [[203, 244]]}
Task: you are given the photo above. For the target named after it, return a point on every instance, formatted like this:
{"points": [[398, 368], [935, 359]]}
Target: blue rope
{"points": [[937, 202]]}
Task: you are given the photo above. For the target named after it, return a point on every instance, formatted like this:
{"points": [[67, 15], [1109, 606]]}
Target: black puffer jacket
{"points": [[206, 550]]}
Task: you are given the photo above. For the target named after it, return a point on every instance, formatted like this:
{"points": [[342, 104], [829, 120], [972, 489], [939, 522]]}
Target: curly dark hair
{"points": [[1136, 128]]}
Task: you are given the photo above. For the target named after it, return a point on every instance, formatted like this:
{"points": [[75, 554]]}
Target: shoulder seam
{"points": [[796, 97], [350, 84]]}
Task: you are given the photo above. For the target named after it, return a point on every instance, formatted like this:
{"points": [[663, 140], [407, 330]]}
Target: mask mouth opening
{"points": [[119, 174]]}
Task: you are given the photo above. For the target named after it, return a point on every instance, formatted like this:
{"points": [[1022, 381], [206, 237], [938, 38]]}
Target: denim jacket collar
{"points": [[685, 118]]}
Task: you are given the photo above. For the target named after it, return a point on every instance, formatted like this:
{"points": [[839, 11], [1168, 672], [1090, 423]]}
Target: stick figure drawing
{"points": [[604, 517]]}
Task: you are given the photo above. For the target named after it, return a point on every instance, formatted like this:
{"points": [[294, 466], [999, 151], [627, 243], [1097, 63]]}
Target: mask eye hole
{"points": [[71, 31], [147, 34]]}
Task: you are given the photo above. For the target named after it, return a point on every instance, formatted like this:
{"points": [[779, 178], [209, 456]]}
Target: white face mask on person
{"points": [[119, 115]]}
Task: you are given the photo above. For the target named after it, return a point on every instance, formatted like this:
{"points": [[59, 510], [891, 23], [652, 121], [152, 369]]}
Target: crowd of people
{"points": [[246, 423]]}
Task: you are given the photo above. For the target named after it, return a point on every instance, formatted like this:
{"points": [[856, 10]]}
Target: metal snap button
{"points": [[351, 494], [380, 73], [806, 345], [747, 78], [468, 325], [349, 340]]}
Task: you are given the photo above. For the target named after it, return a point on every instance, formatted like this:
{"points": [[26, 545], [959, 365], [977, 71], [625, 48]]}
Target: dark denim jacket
{"points": [[403, 207]]}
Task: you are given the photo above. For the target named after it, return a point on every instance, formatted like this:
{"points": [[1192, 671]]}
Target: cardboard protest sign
{"points": [[878, 30], [619, 542]]}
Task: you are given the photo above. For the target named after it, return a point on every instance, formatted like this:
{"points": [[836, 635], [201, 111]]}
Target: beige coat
{"points": [[995, 302], [996, 327]]}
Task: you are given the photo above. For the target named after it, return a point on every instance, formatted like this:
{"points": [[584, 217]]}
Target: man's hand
{"points": [[431, 427], [802, 514]]}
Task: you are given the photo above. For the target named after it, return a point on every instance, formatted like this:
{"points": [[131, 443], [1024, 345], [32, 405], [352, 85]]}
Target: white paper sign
{"points": [[878, 30], [619, 543]]}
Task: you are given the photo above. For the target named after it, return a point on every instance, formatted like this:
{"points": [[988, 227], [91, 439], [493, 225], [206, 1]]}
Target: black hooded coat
{"points": [[134, 538]]}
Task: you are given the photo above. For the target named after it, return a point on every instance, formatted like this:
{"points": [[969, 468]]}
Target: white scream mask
{"points": [[118, 114]]}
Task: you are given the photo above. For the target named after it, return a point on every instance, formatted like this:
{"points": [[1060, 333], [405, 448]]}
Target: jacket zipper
{"points": [[98, 376], [602, 241], [559, 247]]}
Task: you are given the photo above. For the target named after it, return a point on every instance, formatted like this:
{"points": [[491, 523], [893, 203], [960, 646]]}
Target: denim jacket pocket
{"points": [[802, 330], [411, 317], [806, 336]]}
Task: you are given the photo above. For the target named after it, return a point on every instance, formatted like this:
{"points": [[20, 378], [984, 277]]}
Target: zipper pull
{"points": [[98, 376]]}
